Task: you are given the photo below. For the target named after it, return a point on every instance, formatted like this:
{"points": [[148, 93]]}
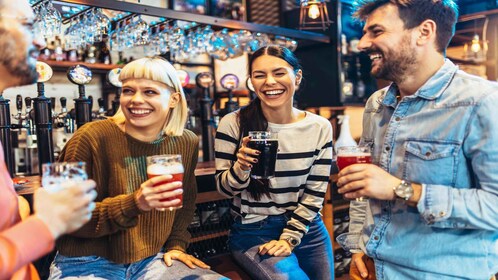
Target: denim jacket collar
{"points": [[431, 90]]}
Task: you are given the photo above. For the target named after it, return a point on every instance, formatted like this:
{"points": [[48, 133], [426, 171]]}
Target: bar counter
{"points": [[204, 173]]}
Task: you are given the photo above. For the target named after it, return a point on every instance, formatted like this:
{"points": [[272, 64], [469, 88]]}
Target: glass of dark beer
{"points": [[267, 143]]}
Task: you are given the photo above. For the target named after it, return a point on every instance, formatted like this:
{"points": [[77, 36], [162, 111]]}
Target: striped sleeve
{"points": [[230, 178], [311, 202]]}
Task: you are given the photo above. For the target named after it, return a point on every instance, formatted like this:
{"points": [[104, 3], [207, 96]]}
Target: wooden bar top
{"points": [[26, 185]]}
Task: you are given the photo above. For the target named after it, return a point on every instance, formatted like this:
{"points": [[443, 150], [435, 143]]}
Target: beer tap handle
{"points": [[101, 105], [27, 100], [19, 103], [52, 103], [63, 101]]}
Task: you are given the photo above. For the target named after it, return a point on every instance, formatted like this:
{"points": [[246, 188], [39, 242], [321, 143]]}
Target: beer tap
{"points": [[52, 102], [19, 116], [113, 79], [81, 75], [250, 87], [30, 124], [6, 134], [29, 115], [229, 82], [42, 108], [205, 81], [65, 117], [101, 112]]}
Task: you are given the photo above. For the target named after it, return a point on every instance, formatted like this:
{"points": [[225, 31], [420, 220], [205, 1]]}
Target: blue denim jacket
{"points": [[444, 137]]}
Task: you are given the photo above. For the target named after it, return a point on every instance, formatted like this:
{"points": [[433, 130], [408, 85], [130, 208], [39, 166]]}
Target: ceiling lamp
{"points": [[314, 15]]}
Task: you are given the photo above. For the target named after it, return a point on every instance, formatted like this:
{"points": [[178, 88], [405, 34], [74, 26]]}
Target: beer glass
{"points": [[58, 175], [349, 155], [166, 165], [267, 143]]}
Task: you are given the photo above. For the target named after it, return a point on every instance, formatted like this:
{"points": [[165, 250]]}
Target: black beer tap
{"points": [[81, 75], [101, 112], [205, 80], [250, 87], [29, 116], [19, 116], [42, 107], [6, 134], [65, 117], [229, 82], [113, 79]]}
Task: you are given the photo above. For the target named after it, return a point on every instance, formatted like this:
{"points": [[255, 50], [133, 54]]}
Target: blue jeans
{"points": [[312, 259], [95, 267]]}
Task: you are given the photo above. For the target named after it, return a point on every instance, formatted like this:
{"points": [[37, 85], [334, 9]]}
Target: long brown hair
{"points": [[251, 117]]}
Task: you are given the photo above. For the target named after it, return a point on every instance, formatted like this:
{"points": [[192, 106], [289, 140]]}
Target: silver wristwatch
{"points": [[404, 190], [293, 242]]}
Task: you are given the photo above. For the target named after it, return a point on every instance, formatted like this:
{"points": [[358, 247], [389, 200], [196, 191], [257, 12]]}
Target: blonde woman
{"points": [[126, 237]]}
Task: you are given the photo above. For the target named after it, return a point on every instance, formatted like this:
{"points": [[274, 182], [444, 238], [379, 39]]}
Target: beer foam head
{"points": [[353, 154], [159, 169]]}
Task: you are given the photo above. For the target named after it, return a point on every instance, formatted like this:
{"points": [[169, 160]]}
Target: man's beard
{"points": [[23, 68], [26, 71], [396, 63]]}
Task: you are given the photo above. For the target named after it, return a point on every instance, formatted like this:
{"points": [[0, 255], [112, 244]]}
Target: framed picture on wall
{"points": [[229, 9], [190, 6]]}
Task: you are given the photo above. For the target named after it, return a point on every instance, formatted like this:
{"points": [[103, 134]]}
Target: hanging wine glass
{"points": [[52, 20], [103, 24], [141, 30]]}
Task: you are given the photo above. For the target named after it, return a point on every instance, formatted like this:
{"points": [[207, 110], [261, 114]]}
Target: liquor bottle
{"points": [[359, 88], [195, 224], [91, 56], [345, 138], [347, 84], [59, 54], [105, 54]]}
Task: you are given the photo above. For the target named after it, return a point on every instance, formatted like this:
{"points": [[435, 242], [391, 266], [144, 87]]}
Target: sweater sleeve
{"points": [[230, 178], [311, 201], [111, 214], [180, 236], [19, 245]]}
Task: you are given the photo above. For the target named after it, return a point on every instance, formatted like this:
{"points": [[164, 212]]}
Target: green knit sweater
{"points": [[118, 230]]}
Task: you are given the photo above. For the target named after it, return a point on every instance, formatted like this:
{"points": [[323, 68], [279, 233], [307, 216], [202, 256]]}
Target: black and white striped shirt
{"points": [[301, 174]]}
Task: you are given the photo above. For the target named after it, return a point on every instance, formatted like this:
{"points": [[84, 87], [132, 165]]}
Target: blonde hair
{"points": [[160, 70]]}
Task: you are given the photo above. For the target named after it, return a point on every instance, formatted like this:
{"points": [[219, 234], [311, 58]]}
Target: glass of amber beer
{"points": [[166, 165], [349, 155]]}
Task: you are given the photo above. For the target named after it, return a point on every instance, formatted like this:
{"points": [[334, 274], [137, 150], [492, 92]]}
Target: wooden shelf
{"points": [[208, 236], [96, 67]]}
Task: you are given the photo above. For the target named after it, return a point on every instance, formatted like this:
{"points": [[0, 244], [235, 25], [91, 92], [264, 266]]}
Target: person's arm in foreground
{"points": [[54, 214]]}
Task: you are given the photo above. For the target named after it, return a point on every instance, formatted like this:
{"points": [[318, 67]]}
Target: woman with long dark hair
{"points": [[277, 231]]}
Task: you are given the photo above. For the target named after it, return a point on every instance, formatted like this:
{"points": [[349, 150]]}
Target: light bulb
{"points": [[475, 47], [313, 11]]}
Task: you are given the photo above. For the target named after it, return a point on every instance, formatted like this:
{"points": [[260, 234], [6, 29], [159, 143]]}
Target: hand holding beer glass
{"points": [[167, 165], [59, 175], [267, 143], [349, 155]]}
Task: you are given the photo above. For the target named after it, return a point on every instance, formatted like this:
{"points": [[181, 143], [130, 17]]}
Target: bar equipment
{"points": [[250, 87], [6, 133], [229, 82], [64, 127], [42, 109], [205, 81], [24, 140], [113, 79], [81, 75]]}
